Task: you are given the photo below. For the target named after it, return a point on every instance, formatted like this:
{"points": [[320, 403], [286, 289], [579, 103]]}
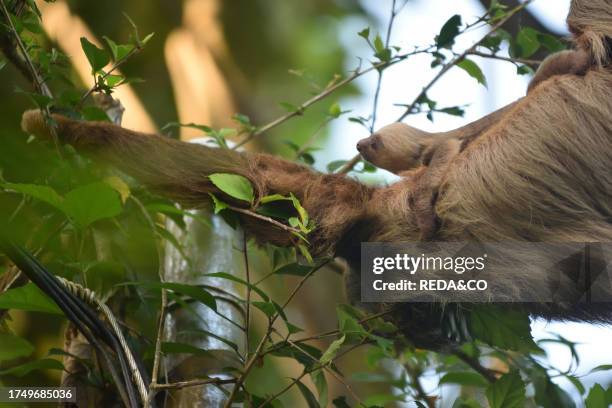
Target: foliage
{"points": [[67, 208]]}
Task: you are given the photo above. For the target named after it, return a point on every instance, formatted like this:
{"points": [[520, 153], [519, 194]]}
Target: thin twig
{"points": [[248, 294], [348, 166], [158, 352], [461, 57], [337, 331], [39, 82], [259, 350], [137, 48], [381, 72], [310, 371], [266, 219], [194, 383], [476, 366], [325, 93], [415, 378], [312, 138], [508, 59], [330, 371], [162, 313], [287, 387]]}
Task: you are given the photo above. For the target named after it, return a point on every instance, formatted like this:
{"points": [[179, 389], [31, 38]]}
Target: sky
{"points": [[417, 25]]}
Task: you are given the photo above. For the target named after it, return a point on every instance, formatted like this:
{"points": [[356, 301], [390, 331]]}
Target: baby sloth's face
{"points": [[369, 146], [396, 147]]}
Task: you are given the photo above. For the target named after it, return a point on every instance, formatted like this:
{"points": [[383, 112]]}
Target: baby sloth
{"points": [[424, 157]]}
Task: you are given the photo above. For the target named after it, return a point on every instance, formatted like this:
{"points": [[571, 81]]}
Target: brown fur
{"points": [[569, 62], [398, 147], [540, 171]]}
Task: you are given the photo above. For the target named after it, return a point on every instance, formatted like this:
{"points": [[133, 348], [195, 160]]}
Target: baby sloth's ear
{"points": [[396, 147]]}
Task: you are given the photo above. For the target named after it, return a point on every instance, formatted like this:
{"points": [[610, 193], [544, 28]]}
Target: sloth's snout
{"points": [[367, 144]]}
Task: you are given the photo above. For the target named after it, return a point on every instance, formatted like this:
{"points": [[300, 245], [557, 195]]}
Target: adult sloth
{"points": [[540, 172]]}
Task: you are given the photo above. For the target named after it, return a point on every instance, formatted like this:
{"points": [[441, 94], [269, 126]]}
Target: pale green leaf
{"points": [[28, 297], [233, 185]]}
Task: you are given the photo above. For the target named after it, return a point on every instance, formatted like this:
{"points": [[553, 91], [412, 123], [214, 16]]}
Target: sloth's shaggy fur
{"points": [[541, 172]]}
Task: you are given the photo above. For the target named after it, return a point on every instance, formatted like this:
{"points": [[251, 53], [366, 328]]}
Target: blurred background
{"points": [[210, 59]]}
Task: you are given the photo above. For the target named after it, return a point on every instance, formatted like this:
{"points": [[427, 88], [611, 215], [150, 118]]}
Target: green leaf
{"points": [[193, 291], [94, 114], [365, 33], [464, 378], [14, 347], [301, 210], [551, 43], [266, 307], [92, 202], [335, 110], [305, 252], [294, 269], [528, 42], [507, 329], [218, 204], [273, 198], [26, 368], [28, 297], [147, 38], [603, 367], [224, 275], [233, 185], [379, 46], [577, 383], [311, 401], [332, 350], [340, 402], [507, 392], [180, 348], [307, 355], [42, 193], [550, 395], [112, 46], [348, 324], [448, 32], [231, 344], [318, 379], [31, 22], [114, 80], [120, 186], [97, 58], [596, 398], [335, 165], [473, 70], [381, 400]]}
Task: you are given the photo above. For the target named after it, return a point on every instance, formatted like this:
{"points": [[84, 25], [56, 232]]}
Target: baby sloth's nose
{"points": [[366, 144]]}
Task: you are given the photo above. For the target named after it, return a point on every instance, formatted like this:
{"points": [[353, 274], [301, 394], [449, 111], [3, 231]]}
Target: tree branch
{"points": [[351, 163], [324, 94]]}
